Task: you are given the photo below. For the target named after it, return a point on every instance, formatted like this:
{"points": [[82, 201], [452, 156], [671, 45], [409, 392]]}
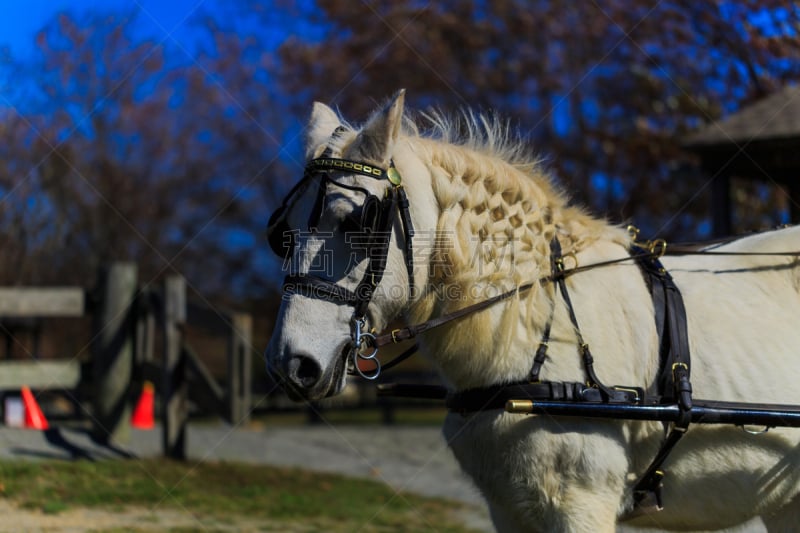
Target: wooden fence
{"points": [[127, 323], [182, 377], [30, 302]]}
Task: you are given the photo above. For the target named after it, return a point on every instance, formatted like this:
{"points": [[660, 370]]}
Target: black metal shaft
{"points": [[703, 412]]}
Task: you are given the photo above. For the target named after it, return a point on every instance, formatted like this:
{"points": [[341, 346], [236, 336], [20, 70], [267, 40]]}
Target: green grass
{"points": [[226, 491]]}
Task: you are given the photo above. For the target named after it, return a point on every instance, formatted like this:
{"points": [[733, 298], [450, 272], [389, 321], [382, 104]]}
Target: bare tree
{"points": [[606, 89], [142, 151]]}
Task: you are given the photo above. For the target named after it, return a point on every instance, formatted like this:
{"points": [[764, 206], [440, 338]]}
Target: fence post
{"points": [[145, 331], [113, 352], [240, 368], [174, 387]]}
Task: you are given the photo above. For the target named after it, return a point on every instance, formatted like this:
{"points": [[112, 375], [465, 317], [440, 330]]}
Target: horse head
{"points": [[345, 232]]}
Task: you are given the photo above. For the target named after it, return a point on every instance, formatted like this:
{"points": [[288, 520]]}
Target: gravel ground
{"points": [[413, 459]]}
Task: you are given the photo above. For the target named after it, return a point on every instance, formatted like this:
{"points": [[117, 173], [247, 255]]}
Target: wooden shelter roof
{"points": [[776, 117]]}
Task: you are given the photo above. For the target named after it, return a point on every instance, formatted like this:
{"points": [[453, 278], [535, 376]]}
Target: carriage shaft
{"points": [[703, 412]]}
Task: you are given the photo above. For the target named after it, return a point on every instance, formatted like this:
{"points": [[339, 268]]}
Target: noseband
{"points": [[377, 220]]}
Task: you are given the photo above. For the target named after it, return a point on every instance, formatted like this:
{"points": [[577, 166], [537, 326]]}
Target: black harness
{"points": [[668, 398], [373, 235], [672, 386]]}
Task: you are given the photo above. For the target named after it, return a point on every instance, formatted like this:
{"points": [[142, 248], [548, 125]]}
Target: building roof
{"points": [[775, 117]]}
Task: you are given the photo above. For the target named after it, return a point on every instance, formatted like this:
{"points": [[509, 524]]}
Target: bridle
{"points": [[374, 234]]}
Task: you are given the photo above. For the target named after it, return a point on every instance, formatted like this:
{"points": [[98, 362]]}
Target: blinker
{"points": [[282, 239]]}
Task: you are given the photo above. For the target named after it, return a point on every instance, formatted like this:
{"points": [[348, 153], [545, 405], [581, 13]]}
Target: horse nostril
{"points": [[304, 371]]}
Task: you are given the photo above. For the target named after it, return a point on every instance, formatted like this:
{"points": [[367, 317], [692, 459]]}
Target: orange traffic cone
{"points": [[142, 417], [34, 418]]}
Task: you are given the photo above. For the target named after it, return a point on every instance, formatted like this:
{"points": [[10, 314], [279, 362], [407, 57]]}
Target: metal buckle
{"points": [[676, 365]]}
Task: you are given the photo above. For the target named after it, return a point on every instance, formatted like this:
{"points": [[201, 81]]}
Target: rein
{"points": [[645, 250]]}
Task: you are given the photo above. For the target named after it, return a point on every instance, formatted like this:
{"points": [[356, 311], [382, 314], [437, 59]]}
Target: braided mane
{"points": [[499, 208]]}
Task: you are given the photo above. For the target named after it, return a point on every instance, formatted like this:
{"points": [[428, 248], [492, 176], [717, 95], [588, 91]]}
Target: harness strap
{"points": [[377, 255], [541, 352], [400, 358], [674, 250], [544, 342], [673, 382], [671, 386], [412, 331], [408, 235], [586, 354], [409, 332]]}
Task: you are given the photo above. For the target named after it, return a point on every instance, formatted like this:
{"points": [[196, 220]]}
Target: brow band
{"points": [[322, 164]]}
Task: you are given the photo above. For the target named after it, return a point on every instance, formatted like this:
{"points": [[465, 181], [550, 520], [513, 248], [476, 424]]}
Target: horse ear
{"points": [[321, 125], [377, 138]]}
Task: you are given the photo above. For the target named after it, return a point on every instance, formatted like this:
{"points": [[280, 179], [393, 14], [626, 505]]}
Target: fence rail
{"points": [[40, 374], [126, 323], [21, 302]]}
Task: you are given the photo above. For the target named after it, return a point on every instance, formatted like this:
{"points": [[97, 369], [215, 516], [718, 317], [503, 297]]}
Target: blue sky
{"points": [[20, 20]]}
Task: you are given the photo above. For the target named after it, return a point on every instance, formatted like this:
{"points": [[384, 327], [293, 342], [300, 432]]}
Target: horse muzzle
{"points": [[303, 378]]}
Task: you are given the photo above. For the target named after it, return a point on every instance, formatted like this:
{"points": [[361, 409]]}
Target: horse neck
{"points": [[493, 234]]}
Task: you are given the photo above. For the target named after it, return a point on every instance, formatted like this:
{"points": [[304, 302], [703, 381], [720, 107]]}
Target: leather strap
{"points": [[408, 235], [377, 254], [544, 342], [586, 354], [673, 380], [409, 332]]}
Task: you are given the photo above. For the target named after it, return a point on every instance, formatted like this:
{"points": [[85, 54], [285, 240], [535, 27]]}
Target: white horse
{"points": [[484, 213]]}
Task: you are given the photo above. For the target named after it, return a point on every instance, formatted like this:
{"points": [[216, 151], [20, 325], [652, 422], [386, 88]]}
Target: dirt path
{"points": [[135, 519]]}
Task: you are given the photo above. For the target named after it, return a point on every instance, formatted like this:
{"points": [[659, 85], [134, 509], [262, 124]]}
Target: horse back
{"points": [[743, 313]]}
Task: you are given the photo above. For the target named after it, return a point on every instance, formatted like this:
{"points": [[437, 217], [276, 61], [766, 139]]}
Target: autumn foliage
{"points": [[119, 146]]}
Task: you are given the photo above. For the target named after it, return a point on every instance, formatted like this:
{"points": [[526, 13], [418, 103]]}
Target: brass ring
{"points": [[658, 247]]}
